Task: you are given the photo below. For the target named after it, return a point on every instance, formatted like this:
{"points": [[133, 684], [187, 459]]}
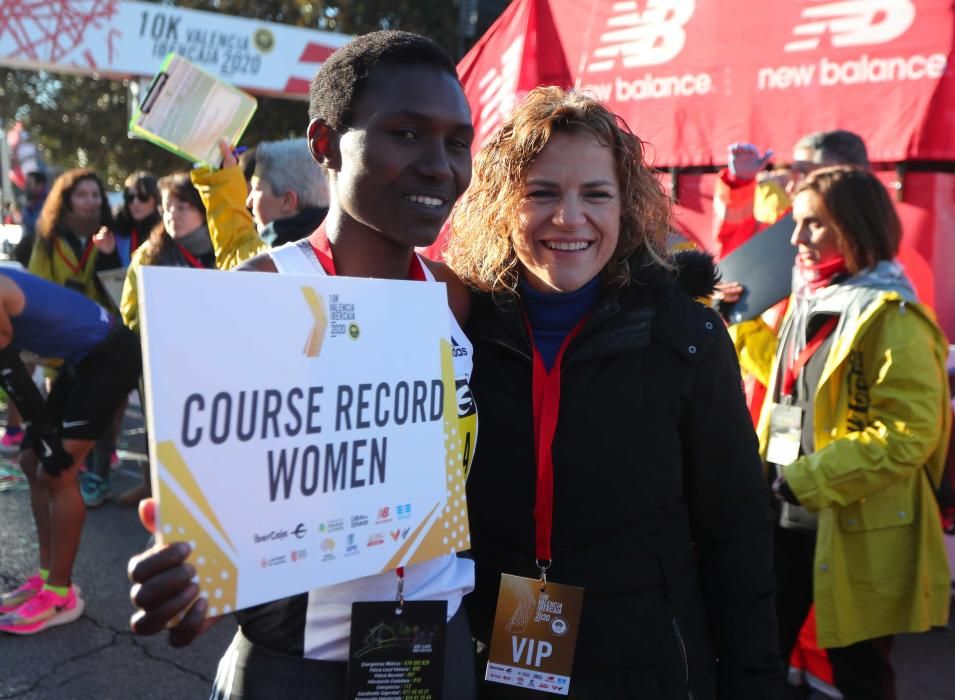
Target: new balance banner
{"points": [[692, 76]]}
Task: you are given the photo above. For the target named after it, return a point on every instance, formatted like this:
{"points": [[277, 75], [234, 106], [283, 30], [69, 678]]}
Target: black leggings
{"points": [[861, 671]]}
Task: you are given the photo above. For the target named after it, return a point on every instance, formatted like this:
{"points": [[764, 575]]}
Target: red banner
{"points": [[691, 77]]}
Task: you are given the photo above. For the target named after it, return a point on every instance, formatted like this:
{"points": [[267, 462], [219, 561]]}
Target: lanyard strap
{"points": [[400, 571], [545, 391], [76, 269], [190, 258], [793, 368]]}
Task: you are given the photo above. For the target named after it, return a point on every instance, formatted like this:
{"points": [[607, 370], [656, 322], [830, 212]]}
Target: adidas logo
{"points": [[457, 350]]}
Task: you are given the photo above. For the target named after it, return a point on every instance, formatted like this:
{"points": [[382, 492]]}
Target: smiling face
{"points": [[86, 198], [816, 237], [406, 157], [568, 224]]}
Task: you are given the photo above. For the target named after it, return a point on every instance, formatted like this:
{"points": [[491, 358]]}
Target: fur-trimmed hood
{"points": [[696, 272]]}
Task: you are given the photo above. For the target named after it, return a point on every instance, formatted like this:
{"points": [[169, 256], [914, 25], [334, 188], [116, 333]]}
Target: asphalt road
{"points": [[97, 658]]}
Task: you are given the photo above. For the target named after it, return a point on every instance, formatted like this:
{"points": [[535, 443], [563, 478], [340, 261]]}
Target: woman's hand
{"points": [[105, 241], [229, 159], [163, 589], [728, 292]]}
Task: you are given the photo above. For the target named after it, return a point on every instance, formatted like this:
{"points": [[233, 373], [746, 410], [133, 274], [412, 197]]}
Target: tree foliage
{"points": [[82, 120]]}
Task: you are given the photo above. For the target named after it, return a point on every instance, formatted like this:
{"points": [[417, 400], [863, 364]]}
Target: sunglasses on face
{"points": [[128, 197]]}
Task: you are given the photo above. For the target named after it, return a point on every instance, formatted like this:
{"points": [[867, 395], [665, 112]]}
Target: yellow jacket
{"points": [[234, 236], [231, 228], [882, 413], [59, 267]]}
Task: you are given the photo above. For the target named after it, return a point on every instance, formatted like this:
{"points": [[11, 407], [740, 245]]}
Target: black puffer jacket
{"points": [[661, 511]]}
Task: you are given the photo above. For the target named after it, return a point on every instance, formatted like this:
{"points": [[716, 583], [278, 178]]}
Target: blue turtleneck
{"points": [[553, 316]]}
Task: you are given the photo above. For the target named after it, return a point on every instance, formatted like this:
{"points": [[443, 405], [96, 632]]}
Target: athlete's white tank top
{"points": [[328, 616]]}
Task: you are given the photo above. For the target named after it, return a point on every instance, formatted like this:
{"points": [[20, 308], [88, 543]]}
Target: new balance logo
{"points": [[499, 90], [646, 38], [852, 23]]}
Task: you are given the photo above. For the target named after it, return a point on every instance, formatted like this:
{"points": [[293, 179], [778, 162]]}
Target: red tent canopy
{"points": [[690, 77]]}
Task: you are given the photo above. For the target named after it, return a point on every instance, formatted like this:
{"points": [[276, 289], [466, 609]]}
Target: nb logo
{"points": [[499, 90], [646, 38], [852, 23]]}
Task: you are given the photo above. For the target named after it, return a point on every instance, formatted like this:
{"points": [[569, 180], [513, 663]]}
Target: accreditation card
{"points": [[535, 634], [397, 651]]}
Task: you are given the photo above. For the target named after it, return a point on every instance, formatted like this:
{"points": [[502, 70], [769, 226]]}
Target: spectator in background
{"points": [[743, 203], [35, 191], [138, 215], [134, 220], [858, 372], [75, 211], [180, 240], [289, 196]]}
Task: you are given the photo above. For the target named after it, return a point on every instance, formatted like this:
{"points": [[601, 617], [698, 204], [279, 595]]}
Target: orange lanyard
{"points": [[794, 368], [76, 269]]}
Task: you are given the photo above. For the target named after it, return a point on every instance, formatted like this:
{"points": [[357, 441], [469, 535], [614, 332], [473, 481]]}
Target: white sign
{"points": [[132, 39], [301, 429]]}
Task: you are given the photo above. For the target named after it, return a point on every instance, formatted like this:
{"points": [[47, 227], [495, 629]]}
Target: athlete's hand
{"points": [[163, 589], [105, 241]]}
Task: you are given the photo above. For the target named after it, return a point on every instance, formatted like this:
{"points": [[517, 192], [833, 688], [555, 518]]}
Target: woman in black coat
{"points": [[595, 365]]}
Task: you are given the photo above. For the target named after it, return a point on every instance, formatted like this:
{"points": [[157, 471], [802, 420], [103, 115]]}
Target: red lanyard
{"points": [[133, 241], [794, 368], [190, 258], [77, 269], [323, 251], [545, 389]]}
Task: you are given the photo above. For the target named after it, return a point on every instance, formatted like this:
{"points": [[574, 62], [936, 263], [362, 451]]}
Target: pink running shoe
{"points": [[45, 609], [10, 443], [14, 599]]}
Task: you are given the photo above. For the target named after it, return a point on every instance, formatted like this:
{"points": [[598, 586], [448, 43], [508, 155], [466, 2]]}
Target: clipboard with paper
{"points": [[188, 111]]}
